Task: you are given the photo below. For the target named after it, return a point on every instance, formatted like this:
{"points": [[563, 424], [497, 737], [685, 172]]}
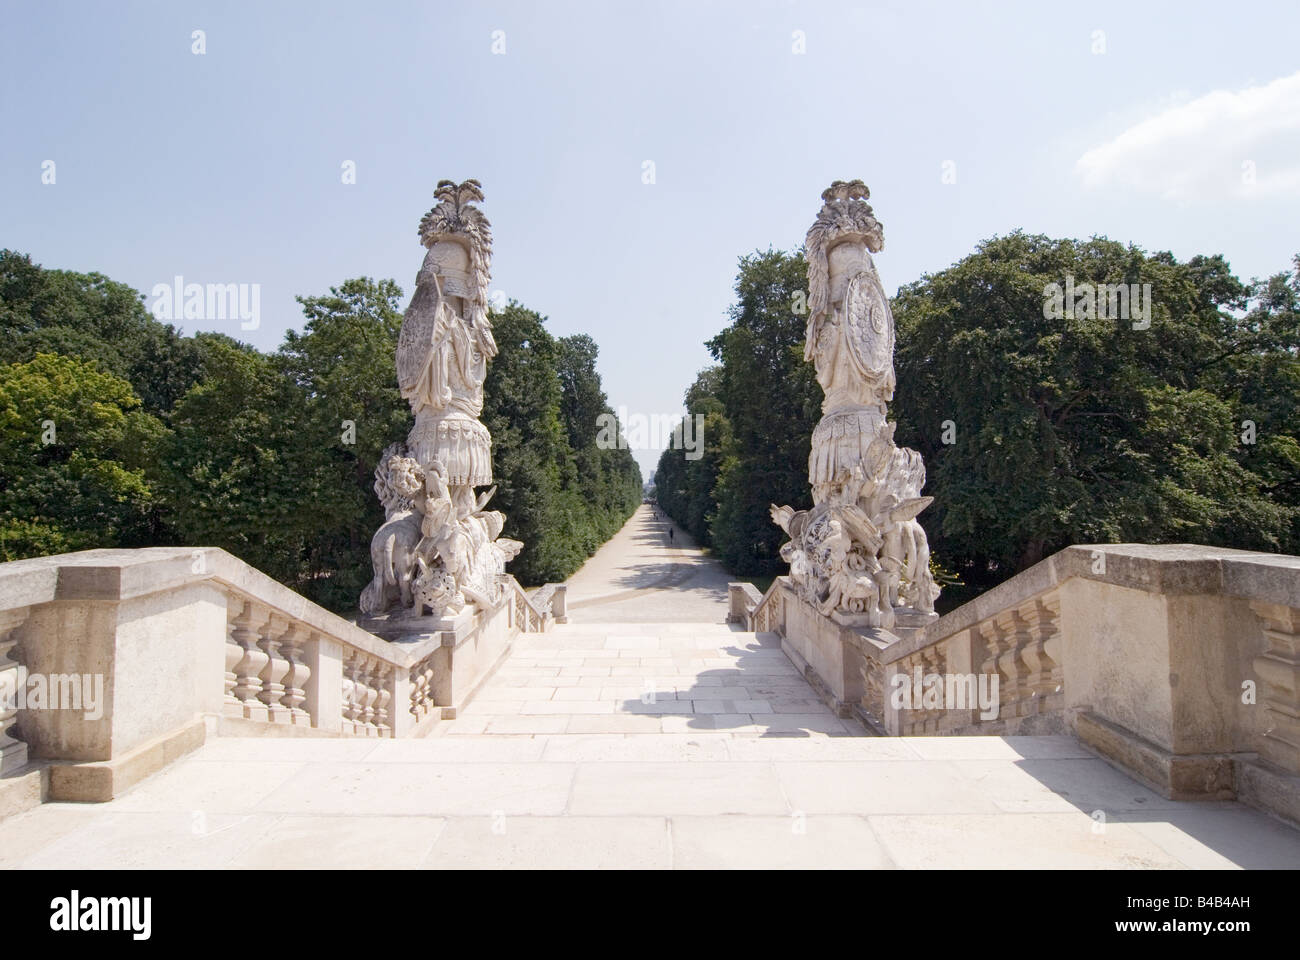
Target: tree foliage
{"points": [[89, 316], [763, 403], [75, 448], [1085, 430], [1070, 430], [167, 439], [563, 496]]}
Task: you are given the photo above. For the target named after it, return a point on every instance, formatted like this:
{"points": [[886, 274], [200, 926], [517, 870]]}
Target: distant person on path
{"points": [[670, 534]]}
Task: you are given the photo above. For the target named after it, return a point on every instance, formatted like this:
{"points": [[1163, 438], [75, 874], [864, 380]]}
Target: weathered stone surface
{"points": [[439, 548], [859, 552]]}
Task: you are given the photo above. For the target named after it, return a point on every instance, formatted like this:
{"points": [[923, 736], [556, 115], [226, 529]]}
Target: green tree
{"points": [[531, 459], [771, 402], [685, 486], [543, 395], [75, 448], [90, 316], [1080, 429], [349, 410], [236, 473], [273, 457], [608, 479]]}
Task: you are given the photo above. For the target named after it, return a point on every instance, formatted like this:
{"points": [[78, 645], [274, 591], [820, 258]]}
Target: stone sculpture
{"points": [[438, 548], [859, 554]]}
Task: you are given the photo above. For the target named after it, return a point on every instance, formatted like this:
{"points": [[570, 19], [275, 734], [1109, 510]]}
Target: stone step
{"points": [[697, 801], [24, 788]]}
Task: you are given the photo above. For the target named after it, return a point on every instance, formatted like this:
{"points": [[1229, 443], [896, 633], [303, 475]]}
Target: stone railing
{"points": [[286, 671], [743, 601], [1019, 647], [186, 643], [536, 613], [551, 602], [1179, 663]]}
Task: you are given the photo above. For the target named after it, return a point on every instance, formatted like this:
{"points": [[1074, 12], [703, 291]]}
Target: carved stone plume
{"points": [[438, 548], [859, 554]]}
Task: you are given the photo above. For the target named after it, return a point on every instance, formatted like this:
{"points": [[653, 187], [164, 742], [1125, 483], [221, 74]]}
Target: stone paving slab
{"points": [[661, 681], [640, 576], [705, 800]]}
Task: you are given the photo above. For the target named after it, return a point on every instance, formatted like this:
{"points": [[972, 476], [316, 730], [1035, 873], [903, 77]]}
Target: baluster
{"points": [[1043, 678], [922, 711], [369, 694], [933, 667], [990, 637], [384, 694], [937, 720], [1012, 638], [910, 715], [348, 701], [248, 681], [426, 687], [1051, 620], [13, 751], [292, 648], [1279, 684], [272, 675], [231, 706], [873, 690], [417, 691]]}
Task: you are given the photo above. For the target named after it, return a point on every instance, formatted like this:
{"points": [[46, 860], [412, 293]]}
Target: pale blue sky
{"points": [[226, 167]]}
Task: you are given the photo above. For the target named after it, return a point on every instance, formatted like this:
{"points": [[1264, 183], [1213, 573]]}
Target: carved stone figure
{"points": [[399, 481], [859, 553], [438, 548]]}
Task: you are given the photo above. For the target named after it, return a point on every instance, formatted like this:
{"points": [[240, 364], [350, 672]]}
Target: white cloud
{"points": [[1223, 144]]}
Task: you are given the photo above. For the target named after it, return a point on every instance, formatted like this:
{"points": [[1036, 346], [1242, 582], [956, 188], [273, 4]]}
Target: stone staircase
{"points": [[628, 678], [692, 745], [609, 744]]}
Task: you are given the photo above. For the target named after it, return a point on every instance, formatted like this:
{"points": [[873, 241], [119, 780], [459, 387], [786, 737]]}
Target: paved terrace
{"points": [[653, 744], [640, 576]]}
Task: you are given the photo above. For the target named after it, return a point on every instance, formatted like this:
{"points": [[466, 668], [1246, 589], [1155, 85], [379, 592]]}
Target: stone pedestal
{"points": [[399, 626], [471, 645]]}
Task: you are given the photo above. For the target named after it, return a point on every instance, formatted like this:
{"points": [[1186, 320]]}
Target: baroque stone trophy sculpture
{"points": [[859, 555], [439, 550]]}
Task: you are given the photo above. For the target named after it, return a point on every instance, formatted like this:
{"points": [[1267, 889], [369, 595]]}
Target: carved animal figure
{"points": [[399, 483], [393, 555]]}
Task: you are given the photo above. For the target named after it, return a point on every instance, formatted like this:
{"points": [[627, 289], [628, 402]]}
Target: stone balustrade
{"points": [[189, 643], [13, 751], [536, 613], [550, 601], [745, 604], [1179, 664]]}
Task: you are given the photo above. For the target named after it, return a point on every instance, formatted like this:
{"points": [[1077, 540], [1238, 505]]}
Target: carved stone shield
{"points": [[415, 341], [869, 326]]}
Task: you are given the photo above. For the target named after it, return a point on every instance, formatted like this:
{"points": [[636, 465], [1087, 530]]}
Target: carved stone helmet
{"points": [[450, 260]]}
